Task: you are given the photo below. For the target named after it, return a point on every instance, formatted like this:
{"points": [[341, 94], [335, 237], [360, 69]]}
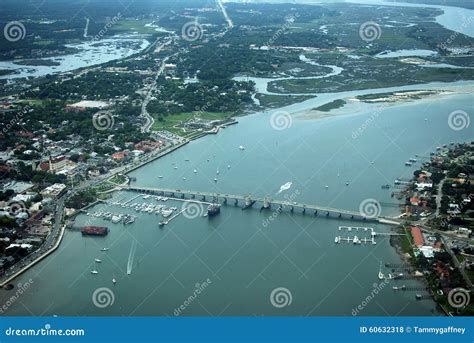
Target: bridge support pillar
{"points": [[340, 215], [182, 196], [236, 202], [304, 210], [327, 214], [315, 212], [203, 198], [192, 196], [225, 200], [292, 209]]}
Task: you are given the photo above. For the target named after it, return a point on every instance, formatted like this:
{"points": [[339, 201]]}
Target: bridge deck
{"points": [[386, 220]]}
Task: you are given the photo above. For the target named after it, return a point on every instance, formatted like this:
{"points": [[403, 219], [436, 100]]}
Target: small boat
{"points": [[195, 171], [241, 147], [114, 281], [228, 166], [217, 172], [386, 186], [175, 167], [184, 179], [98, 260], [347, 183], [160, 176], [215, 179], [336, 240], [187, 159], [327, 186], [104, 249], [408, 163], [94, 272], [381, 275], [116, 219]]}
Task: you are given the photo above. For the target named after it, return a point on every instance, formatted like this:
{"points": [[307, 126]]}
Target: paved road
{"points": [[144, 112]]}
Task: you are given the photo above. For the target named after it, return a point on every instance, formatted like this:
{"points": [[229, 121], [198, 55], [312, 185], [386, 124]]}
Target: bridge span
{"points": [[247, 201]]}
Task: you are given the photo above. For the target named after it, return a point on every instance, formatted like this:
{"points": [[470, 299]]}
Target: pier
{"points": [[247, 201]]}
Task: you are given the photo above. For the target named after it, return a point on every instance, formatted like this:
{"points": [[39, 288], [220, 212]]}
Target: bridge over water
{"points": [[247, 201]]}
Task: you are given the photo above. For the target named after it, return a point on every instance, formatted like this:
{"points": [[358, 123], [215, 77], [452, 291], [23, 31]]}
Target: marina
{"points": [[234, 249]]}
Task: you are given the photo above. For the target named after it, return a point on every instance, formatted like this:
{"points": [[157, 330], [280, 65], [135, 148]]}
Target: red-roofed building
{"points": [[417, 236], [119, 156]]}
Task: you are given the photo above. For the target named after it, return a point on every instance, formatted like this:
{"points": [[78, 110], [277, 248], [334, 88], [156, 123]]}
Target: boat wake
{"points": [[285, 187], [131, 256]]}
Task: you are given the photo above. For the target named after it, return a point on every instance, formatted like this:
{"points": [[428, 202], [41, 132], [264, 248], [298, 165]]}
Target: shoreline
{"points": [[37, 260]]}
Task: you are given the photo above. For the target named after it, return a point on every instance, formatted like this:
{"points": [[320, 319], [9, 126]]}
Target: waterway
{"points": [[88, 54], [245, 254]]}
